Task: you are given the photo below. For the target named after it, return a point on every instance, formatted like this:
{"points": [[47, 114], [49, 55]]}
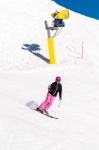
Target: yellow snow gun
{"points": [[59, 16]]}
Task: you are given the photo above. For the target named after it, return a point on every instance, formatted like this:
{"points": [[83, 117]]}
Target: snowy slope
{"points": [[24, 79], [23, 23]]}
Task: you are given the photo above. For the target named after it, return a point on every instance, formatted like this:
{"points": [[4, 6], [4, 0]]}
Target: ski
{"points": [[50, 116], [47, 115]]}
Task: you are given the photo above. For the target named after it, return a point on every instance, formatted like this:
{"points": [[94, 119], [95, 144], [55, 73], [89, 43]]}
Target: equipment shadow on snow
{"points": [[32, 105], [35, 49]]}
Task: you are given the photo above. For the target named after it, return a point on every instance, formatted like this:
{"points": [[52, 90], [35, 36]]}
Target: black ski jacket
{"points": [[55, 88]]}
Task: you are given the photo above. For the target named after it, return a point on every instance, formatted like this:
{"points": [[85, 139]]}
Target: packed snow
{"points": [[25, 74]]}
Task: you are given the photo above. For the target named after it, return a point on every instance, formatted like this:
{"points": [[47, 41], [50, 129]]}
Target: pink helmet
{"points": [[58, 78]]}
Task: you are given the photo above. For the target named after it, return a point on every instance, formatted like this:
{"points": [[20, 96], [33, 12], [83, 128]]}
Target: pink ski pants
{"points": [[48, 102]]}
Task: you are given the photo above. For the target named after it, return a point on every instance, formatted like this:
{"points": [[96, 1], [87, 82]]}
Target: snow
{"points": [[24, 79]]}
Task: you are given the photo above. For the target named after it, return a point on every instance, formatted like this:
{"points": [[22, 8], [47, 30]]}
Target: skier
{"points": [[53, 90]]}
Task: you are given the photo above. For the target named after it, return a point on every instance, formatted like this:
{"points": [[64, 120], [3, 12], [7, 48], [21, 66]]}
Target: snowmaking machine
{"points": [[59, 16], [57, 24]]}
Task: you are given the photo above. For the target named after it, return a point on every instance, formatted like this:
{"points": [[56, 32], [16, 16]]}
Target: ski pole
{"points": [[59, 103]]}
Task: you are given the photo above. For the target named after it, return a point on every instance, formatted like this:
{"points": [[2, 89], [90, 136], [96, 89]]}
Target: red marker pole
{"points": [[82, 50]]}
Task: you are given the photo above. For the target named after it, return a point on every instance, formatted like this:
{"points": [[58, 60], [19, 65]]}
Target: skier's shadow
{"points": [[35, 49], [32, 104]]}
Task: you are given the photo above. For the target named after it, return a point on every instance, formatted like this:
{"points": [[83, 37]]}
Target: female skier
{"points": [[53, 90]]}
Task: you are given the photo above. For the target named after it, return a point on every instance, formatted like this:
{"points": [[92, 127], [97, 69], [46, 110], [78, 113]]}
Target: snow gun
{"points": [[59, 16], [57, 25]]}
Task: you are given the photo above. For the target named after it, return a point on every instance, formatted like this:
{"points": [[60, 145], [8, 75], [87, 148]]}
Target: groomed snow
{"points": [[24, 79]]}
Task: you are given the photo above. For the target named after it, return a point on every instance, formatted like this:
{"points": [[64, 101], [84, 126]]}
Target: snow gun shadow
{"points": [[32, 105], [35, 49]]}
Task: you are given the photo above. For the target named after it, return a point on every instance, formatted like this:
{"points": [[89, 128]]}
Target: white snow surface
{"points": [[25, 76]]}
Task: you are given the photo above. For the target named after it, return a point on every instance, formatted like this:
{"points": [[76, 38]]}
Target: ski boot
{"points": [[40, 110]]}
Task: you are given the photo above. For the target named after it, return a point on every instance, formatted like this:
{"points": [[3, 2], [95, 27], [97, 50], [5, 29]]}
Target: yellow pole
{"points": [[51, 50]]}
